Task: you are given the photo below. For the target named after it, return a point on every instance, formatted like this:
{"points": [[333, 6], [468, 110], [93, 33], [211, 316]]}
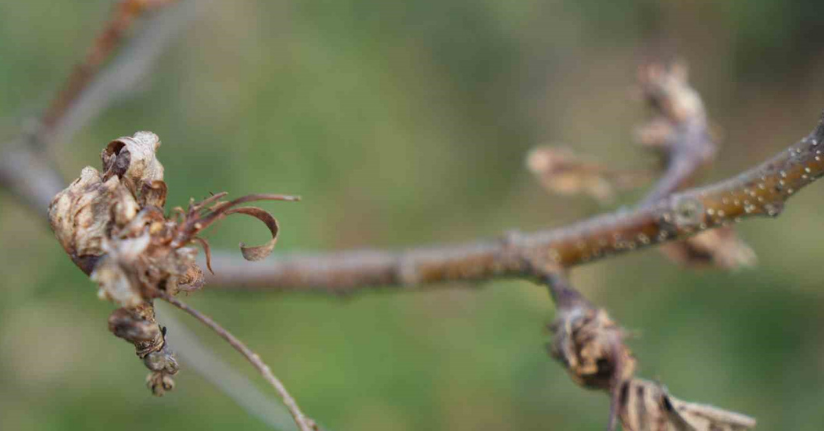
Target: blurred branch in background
{"points": [[223, 376], [26, 169], [303, 422], [125, 13]]}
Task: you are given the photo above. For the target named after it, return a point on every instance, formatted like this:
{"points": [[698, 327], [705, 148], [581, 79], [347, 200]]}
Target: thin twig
{"points": [[223, 376], [303, 422]]}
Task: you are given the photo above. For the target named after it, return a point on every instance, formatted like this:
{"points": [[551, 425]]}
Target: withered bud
{"points": [[159, 383], [590, 345], [138, 326]]}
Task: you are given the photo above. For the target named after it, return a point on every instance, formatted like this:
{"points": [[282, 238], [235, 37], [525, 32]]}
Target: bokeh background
{"points": [[404, 123]]}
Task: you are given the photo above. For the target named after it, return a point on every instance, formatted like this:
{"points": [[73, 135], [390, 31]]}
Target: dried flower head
{"points": [[590, 345], [113, 226]]}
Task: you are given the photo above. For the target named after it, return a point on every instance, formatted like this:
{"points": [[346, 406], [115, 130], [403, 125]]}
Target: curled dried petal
{"points": [[207, 250], [258, 252]]}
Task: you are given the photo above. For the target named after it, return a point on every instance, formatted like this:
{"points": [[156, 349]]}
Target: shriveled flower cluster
{"points": [[114, 227]]}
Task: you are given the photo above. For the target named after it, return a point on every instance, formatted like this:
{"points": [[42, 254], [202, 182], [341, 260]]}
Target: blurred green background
{"points": [[404, 123]]}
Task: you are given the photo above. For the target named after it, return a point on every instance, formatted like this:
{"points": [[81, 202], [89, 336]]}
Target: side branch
{"points": [[760, 191]]}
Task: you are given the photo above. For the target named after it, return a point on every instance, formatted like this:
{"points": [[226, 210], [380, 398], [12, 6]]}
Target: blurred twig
{"points": [[304, 423], [223, 376], [123, 17]]}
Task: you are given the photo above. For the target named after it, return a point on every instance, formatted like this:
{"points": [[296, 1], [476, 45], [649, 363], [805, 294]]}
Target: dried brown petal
{"points": [[207, 250], [261, 251], [720, 248], [647, 406]]}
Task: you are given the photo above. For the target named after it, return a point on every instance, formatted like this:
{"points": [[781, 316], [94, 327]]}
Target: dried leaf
{"points": [[720, 248], [560, 171], [261, 251], [647, 406]]}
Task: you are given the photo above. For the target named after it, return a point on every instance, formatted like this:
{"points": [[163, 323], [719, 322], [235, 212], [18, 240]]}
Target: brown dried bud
{"points": [[590, 345], [138, 326]]}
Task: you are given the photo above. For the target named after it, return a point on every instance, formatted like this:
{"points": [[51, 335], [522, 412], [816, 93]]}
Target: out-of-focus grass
{"points": [[407, 123]]}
